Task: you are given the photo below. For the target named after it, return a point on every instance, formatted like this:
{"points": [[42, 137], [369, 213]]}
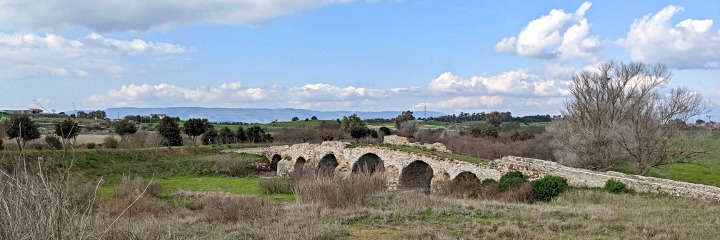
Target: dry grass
{"points": [[355, 207], [274, 185], [133, 198], [336, 192], [232, 209], [35, 204], [575, 214]]}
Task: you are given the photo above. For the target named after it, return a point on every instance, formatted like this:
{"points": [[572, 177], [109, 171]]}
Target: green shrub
{"points": [[90, 145], [511, 180], [484, 131], [53, 142], [111, 142], [487, 181], [548, 187], [614, 186]]}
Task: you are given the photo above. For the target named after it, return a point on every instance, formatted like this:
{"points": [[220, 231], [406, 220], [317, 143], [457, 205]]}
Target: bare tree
{"points": [[618, 111]]}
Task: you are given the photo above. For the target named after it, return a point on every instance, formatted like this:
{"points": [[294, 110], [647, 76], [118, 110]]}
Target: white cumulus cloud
{"points": [[28, 55], [142, 15], [516, 82], [688, 44], [233, 94], [464, 102], [164, 94], [544, 37]]}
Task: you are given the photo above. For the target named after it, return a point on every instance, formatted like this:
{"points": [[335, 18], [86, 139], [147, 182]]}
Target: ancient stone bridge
{"points": [[417, 170]]}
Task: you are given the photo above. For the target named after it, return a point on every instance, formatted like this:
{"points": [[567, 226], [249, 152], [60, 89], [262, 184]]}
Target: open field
{"points": [[704, 171], [191, 181], [575, 214]]}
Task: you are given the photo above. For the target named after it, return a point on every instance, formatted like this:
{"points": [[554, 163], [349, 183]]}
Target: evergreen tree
{"points": [[67, 129], [195, 127], [170, 131], [22, 129]]}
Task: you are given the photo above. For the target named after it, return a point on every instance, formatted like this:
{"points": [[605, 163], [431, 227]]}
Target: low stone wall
{"points": [[535, 168], [398, 140]]}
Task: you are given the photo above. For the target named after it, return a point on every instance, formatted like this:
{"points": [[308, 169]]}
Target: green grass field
{"points": [[233, 185], [704, 171]]}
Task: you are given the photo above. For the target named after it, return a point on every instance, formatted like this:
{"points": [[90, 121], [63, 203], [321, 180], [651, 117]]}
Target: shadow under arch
{"points": [[327, 165], [274, 162], [466, 176], [416, 175], [368, 163], [299, 162]]}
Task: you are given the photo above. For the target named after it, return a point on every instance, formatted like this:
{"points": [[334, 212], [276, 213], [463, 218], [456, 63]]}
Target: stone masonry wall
{"points": [[447, 169], [398, 140], [535, 168]]}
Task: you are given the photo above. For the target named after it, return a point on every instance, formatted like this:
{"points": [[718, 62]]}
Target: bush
{"points": [[487, 181], [90, 145], [53, 142], [484, 131], [110, 142], [154, 189], [385, 130], [232, 209], [519, 194], [274, 185], [522, 193], [548, 187], [614, 186], [511, 179]]}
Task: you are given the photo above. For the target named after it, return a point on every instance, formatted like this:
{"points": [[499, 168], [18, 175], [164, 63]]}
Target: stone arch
{"points": [[300, 162], [327, 165], [416, 175], [466, 176], [274, 162], [369, 163]]}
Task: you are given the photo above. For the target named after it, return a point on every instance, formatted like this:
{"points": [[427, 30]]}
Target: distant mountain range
{"points": [[253, 115]]}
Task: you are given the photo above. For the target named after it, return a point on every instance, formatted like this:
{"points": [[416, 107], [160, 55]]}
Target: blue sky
{"points": [[452, 56]]}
